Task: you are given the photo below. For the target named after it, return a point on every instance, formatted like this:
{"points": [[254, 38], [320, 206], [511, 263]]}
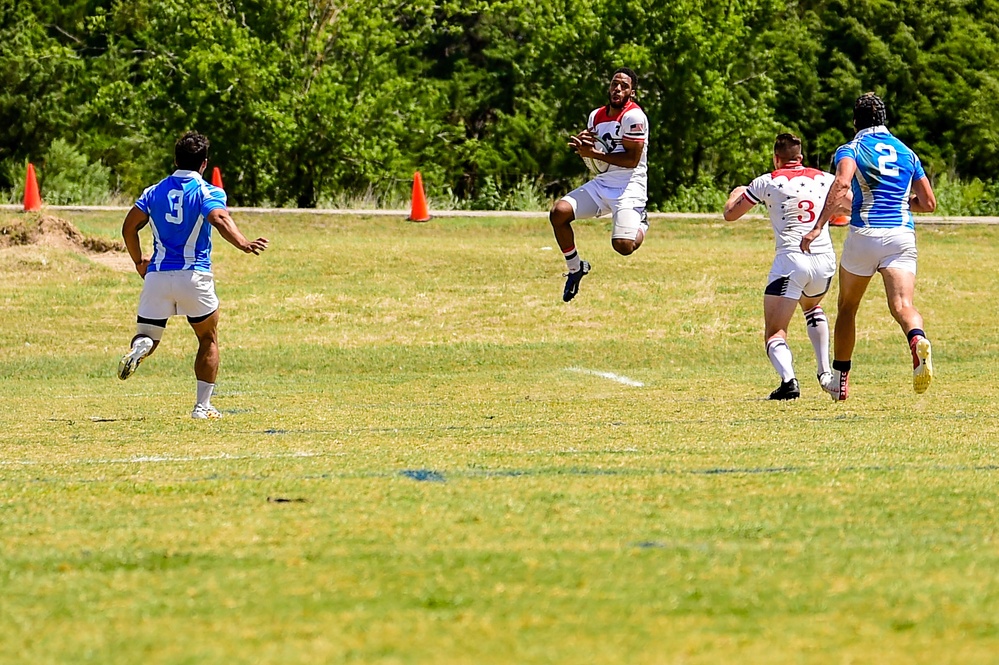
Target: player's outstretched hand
{"points": [[583, 140], [256, 246]]}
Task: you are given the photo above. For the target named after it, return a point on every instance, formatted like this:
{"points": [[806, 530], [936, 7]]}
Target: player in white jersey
{"points": [[887, 184], [616, 143], [177, 277], [793, 195]]}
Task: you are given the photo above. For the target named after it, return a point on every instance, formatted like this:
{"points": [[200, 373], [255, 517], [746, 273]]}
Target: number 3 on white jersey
{"points": [[809, 208], [176, 199], [887, 158]]}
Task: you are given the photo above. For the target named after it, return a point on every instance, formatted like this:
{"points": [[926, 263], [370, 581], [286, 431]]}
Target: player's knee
{"points": [[623, 246], [846, 305], [207, 344], [560, 214]]}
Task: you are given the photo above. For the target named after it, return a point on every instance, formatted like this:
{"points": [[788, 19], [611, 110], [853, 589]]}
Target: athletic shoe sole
{"points": [[922, 375], [128, 364]]}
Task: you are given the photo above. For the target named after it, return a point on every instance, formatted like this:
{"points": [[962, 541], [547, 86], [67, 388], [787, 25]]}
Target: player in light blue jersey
{"points": [[887, 184], [181, 210]]}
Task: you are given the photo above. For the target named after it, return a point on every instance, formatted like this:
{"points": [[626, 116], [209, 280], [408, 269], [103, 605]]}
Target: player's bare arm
{"points": [[223, 222], [923, 199], [628, 159], [837, 202], [738, 204], [134, 221]]}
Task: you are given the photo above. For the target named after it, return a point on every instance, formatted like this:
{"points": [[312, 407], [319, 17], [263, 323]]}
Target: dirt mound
{"points": [[53, 232]]}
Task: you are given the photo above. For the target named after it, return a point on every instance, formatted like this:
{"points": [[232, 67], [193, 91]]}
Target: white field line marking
{"points": [[156, 459], [131, 395], [607, 375]]}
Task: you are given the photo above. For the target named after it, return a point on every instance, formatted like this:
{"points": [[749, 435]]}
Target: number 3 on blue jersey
{"points": [[175, 198], [888, 157]]}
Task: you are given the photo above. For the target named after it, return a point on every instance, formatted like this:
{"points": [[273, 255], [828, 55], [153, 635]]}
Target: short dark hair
{"points": [[869, 111], [191, 151], [787, 147], [630, 74]]}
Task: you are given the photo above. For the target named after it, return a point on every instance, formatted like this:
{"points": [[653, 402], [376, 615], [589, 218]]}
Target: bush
{"points": [[68, 177], [703, 196], [957, 198], [495, 194]]}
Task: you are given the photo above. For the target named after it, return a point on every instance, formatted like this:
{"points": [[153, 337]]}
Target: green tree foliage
{"points": [[38, 80], [934, 61], [318, 100]]}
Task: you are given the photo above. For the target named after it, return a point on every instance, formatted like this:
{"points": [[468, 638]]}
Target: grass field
{"points": [[458, 484]]}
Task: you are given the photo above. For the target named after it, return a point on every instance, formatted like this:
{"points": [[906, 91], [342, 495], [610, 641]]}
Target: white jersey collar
{"points": [[880, 129], [182, 173]]}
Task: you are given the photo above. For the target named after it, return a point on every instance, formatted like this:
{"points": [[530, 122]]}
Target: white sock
{"points": [[572, 259], [205, 393], [780, 358], [818, 332], [143, 344]]}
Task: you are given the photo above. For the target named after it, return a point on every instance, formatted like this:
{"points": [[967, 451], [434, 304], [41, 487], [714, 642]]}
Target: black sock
{"points": [[912, 333], [841, 365]]}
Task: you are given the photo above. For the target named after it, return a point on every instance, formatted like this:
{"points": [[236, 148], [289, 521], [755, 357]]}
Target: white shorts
{"points": [[627, 205], [866, 250], [184, 292], [796, 274]]}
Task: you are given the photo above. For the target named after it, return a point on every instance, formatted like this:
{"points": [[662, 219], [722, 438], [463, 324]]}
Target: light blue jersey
{"points": [[178, 207], [886, 169]]}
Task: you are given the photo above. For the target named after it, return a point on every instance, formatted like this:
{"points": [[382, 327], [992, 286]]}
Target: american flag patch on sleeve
{"points": [[637, 127]]}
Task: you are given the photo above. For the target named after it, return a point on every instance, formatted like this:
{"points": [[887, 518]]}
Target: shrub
{"points": [[67, 177]]}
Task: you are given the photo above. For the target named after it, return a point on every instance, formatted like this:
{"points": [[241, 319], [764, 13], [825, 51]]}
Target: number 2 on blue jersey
{"points": [[888, 157]]}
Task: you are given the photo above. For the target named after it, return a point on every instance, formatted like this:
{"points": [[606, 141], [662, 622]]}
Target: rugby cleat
{"points": [[839, 386], [825, 380], [202, 412], [787, 390], [922, 365], [130, 361], [572, 280]]}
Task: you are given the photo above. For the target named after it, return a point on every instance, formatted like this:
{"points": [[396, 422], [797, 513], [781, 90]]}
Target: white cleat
{"points": [[825, 380], [130, 361], [922, 364], [202, 412], [839, 386]]}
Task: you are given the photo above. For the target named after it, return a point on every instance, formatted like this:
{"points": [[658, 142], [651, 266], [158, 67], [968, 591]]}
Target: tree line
{"points": [[309, 102]]}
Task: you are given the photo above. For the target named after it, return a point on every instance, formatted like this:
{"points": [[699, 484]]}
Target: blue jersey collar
{"points": [[880, 129], [182, 173]]}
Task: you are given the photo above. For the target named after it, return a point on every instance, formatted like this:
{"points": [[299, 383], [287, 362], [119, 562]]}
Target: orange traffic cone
{"points": [[839, 220], [217, 177], [418, 212], [32, 200]]}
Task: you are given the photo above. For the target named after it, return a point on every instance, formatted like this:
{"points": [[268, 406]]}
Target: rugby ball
{"points": [[597, 166]]}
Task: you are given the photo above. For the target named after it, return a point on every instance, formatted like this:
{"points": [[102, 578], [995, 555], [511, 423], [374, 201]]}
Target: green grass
{"points": [[468, 499]]}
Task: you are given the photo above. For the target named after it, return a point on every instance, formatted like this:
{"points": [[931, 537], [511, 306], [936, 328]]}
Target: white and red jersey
{"points": [[610, 126], [794, 196]]}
